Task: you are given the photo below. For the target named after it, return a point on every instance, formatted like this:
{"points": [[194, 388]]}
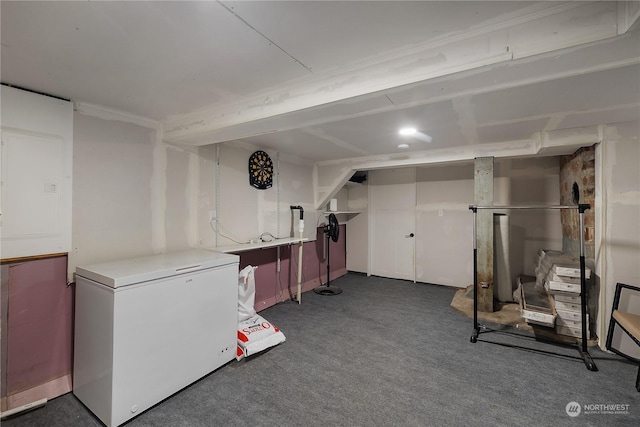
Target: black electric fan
{"points": [[332, 230]]}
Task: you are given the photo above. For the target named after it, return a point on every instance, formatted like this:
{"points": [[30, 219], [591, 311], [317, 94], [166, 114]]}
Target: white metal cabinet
{"points": [[147, 327]]}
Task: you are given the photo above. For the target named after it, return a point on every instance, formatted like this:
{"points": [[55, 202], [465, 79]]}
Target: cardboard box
{"points": [[536, 304]]}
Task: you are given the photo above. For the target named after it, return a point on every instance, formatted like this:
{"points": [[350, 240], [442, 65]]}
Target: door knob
{"points": [[409, 235]]}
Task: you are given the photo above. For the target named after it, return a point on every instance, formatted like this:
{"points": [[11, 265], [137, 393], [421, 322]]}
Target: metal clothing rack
{"points": [[581, 208]]}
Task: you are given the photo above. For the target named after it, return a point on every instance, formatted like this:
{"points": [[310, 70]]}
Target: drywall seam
{"points": [[105, 113], [629, 198], [337, 142], [264, 36], [193, 189], [314, 177], [217, 195], [158, 186], [442, 206], [466, 118]]}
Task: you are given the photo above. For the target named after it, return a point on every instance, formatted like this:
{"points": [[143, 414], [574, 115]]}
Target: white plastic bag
{"points": [[255, 335], [246, 293]]}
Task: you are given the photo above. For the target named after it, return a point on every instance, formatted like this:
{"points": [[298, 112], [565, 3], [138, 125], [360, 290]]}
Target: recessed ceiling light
{"points": [[407, 131], [403, 145]]}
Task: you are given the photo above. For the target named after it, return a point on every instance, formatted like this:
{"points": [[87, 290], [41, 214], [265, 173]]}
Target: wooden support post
{"points": [[483, 179]]}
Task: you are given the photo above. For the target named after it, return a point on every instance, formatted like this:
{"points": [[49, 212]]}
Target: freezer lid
{"points": [[143, 269]]}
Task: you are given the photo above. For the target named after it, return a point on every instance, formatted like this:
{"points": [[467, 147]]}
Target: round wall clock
{"points": [[260, 170]]}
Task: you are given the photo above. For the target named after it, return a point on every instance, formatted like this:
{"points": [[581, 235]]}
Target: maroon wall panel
{"points": [[40, 323], [273, 287]]}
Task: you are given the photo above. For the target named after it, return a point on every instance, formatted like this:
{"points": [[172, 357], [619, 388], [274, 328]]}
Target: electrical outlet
{"points": [[440, 212]]}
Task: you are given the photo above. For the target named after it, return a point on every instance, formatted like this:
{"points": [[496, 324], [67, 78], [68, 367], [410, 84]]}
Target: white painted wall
{"points": [[357, 227], [36, 170], [135, 195], [296, 188], [244, 212], [113, 181], [207, 191], [444, 223], [529, 181], [444, 233], [618, 242], [182, 188]]}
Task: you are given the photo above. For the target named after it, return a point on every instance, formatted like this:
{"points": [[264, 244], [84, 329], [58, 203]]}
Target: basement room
{"points": [[319, 213]]}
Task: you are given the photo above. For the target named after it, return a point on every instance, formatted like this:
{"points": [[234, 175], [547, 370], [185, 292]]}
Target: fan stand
{"points": [[328, 289]]}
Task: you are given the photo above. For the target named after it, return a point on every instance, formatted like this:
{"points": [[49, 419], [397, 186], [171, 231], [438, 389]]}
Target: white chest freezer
{"points": [[147, 327]]}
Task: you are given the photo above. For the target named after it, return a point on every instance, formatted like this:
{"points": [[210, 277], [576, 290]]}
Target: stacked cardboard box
{"points": [[560, 275], [536, 305]]}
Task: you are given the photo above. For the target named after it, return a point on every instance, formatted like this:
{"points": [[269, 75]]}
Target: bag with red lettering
{"points": [[255, 335]]}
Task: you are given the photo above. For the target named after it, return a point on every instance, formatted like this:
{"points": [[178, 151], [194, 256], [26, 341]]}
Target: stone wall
{"points": [[578, 185]]}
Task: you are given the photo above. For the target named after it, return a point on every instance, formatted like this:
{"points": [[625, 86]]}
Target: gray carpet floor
{"points": [[388, 353]]}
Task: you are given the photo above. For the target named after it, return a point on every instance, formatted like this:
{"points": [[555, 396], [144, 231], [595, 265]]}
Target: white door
{"points": [[392, 209]]}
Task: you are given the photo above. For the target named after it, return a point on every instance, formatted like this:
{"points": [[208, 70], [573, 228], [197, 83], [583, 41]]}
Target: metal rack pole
{"points": [[541, 207], [299, 295], [476, 329], [582, 347]]}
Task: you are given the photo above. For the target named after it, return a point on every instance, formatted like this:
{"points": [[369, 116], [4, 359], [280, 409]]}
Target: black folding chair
{"points": [[628, 322]]}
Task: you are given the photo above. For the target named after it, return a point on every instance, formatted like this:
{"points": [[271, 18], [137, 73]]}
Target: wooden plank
{"points": [[32, 257], [483, 188]]}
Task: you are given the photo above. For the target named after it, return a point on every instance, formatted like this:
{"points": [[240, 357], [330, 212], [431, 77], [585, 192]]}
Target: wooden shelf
{"points": [[243, 247], [342, 212], [346, 214]]}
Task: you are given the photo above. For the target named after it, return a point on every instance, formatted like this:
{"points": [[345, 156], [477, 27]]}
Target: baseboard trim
{"points": [[291, 293], [48, 390]]}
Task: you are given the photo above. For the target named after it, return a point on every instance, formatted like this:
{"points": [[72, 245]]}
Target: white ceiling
{"points": [[327, 80]]}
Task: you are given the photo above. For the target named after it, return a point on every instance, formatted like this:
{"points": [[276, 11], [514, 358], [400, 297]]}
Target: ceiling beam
{"points": [[330, 177], [542, 31]]}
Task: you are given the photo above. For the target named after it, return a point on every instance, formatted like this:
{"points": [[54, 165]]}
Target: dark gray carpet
{"points": [[387, 353]]}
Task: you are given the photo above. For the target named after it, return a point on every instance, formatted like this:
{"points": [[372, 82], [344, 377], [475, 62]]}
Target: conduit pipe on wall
{"points": [[301, 232]]}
